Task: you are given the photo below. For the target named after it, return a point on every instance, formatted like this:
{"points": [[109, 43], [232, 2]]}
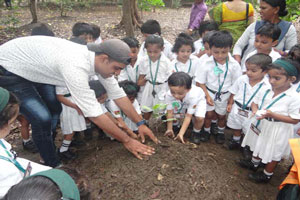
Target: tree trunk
{"points": [[33, 10], [127, 18]]}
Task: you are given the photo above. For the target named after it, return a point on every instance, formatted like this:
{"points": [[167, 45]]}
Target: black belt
{"points": [[67, 95], [241, 106], [156, 83], [272, 119], [214, 92]]}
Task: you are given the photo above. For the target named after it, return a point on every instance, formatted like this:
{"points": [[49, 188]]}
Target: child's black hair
{"points": [[78, 40], [183, 39], [269, 30], [9, 111], [130, 88], [260, 59], [97, 87], [154, 39], [274, 65], [206, 37], [81, 28], [294, 53], [221, 39], [96, 31], [42, 29], [207, 25], [131, 42], [151, 26], [180, 79]]}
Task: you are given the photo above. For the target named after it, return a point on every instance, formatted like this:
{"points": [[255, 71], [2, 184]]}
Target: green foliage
{"points": [[149, 4], [65, 6], [10, 21], [293, 7], [176, 3]]}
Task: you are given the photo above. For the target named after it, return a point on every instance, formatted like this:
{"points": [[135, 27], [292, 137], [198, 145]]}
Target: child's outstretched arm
{"points": [[209, 100], [68, 103], [169, 132], [186, 122]]}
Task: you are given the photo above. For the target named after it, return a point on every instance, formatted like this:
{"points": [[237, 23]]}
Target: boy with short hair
{"points": [[215, 76], [265, 39], [243, 92], [151, 27], [83, 31], [96, 34]]}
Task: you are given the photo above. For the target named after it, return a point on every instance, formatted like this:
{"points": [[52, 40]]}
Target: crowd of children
{"points": [[201, 84]]}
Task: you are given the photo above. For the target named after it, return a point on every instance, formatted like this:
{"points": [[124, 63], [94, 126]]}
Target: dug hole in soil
{"points": [[176, 171]]}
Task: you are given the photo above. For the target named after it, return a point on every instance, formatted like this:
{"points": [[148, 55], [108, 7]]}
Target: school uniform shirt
{"points": [[205, 74], [194, 102], [202, 59], [58, 62], [199, 46], [130, 73], [271, 144], [10, 174], [118, 113], [273, 54], [189, 67], [99, 40], [167, 50]]}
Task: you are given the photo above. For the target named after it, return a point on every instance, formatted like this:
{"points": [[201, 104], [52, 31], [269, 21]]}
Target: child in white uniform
{"points": [[276, 111], [13, 168], [265, 39], [131, 89], [215, 76], [188, 100], [243, 92], [154, 72], [185, 61]]}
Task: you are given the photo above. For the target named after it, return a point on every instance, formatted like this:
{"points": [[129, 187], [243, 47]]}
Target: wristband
{"points": [[142, 122]]}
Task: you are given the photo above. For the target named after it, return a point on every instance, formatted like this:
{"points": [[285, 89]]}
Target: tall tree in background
{"points": [[130, 18], [33, 11]]}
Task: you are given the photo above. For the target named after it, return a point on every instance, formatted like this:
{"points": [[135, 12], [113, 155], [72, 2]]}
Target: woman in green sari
{"points": [[233, 16]]}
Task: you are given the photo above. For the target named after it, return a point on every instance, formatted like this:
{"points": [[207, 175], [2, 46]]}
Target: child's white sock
{"points": [[269, 174], [207, 129], [255, 161], [236, 138], [65, 146], [214, 121], [221, 130], [25, 141], [196, 130], [88, 125]]}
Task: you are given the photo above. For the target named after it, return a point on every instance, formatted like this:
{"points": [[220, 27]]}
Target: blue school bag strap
{"points": [[283, 25]]}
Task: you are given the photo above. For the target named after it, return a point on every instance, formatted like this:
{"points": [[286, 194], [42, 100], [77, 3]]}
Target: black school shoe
{"points": [[259, 177], [88, 134], [214, 128], [67, 155], [77, 141], [233, 144], [247, 153], [247, 164], [220, 138], [204, 136], [195, 138], [30, 146]]}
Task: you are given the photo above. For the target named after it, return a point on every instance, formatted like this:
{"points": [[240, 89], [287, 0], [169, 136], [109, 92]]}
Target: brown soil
{"points": [[176, 171]]}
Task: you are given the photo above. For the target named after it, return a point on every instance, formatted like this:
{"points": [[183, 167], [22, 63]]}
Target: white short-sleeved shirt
{"points": [[202, 59], [164, 70], [58, 62], [10, 174], [117, 112], [242, 83], [130, 73], [205, 74], [194, 99], [189, 67], [99, 40], [288, 105], [167, 50], [199, 46], [273, 54]]}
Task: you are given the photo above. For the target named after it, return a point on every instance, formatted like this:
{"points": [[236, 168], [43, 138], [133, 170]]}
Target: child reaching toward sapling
{"points": [[243, 91], [215, 76], [154, 72], [205, 27], [275, 110], [184, 99], [131, 89], [265, 39], [184, 61]]}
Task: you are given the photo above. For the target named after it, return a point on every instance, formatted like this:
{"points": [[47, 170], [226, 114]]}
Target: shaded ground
{"points": [[176, 171]]}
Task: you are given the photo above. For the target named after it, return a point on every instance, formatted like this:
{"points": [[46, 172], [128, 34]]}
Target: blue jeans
{"points": [[39, 105]]}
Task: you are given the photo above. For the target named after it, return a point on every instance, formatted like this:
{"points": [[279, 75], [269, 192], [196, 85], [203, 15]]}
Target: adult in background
{"points": [[198, 12], [33, 66], [233, 16], [270, 11]]}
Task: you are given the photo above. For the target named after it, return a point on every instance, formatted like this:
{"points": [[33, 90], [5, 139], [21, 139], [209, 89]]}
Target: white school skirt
{"points": [[147, 97], [272, 144], [70, 120]]}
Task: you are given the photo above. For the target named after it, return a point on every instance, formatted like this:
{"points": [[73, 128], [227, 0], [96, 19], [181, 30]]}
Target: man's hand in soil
{"points": [[138, 148], [144, 130]]}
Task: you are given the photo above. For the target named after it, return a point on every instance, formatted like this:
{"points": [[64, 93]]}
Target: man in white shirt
{"points": [[32, 66]]}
